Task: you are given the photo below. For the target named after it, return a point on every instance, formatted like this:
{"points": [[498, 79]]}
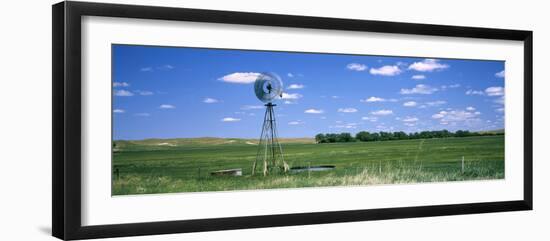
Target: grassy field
{"points": [[184, 165]]}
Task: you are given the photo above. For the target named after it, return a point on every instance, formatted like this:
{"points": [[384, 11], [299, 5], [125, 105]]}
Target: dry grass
{"points": [[375, 175]]}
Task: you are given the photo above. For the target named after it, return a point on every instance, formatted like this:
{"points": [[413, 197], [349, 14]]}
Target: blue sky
{"points": [[169, 92]]}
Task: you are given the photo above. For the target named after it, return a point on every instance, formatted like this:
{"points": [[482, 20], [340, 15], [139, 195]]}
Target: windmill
{"points": [[268, 88]]}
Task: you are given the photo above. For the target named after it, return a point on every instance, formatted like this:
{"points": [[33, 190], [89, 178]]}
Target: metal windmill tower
{"points": [[268, 87]]}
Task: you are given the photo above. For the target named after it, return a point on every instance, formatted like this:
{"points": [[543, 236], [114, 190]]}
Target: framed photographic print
{"points": [[172, 120]]}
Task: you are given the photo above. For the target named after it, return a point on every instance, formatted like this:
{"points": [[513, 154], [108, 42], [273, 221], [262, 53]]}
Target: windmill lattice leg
{"points": [[270, 151]]}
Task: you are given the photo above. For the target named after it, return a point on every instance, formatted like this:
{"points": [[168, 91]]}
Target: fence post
{"points": [[462, 164], [309, 170]]}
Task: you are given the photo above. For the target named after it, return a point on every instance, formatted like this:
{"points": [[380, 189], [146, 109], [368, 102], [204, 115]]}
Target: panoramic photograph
{"points": [[187, 119]]}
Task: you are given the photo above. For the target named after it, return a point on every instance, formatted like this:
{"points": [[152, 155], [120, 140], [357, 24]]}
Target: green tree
{"points": [[386, 136], [320, 138], [363, 136], [461, 133], [345, 137], [331, 137], [397, 135], [375, 136], [400, 135]]}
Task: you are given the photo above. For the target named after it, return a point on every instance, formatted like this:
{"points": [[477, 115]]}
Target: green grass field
{"points": [[184, 165]]}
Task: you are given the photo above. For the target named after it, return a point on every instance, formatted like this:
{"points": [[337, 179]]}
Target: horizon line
{"points": [[313, 137]]}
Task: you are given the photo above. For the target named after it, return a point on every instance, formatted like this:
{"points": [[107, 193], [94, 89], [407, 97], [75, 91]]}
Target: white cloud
{"points": [[347, 126], [410, 104], [347, 110], [162, 67], [453, 86], [370, 118], [240, 77], [500, 74], [314, 111], [166, 106], [165, 67], [384, 128], [436, 103], [500, 110], [295, 86], [144, 92], [470, 108], [499, 100], [456, 116], [439, 115], [123, 93], [209, 100], [428, 65], [418, 77], [120, 84], [356, 67], [143, 114], [377, 99], [230, 119], [294, 96], [244, 113], [474, 92], [118, 111], [342, 125], [419, 89], [410, 119], [494, 91], [288, 102], [373, 99], [382, 112], [251, 107], [290, 75], [298, 122], [387, 70]]}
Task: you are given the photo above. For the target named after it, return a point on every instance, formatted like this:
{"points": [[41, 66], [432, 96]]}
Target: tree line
{"points": [[398, 135]]}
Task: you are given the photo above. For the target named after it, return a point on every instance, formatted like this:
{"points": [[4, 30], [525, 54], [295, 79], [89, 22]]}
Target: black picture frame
{"points": [[66, 165]]}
